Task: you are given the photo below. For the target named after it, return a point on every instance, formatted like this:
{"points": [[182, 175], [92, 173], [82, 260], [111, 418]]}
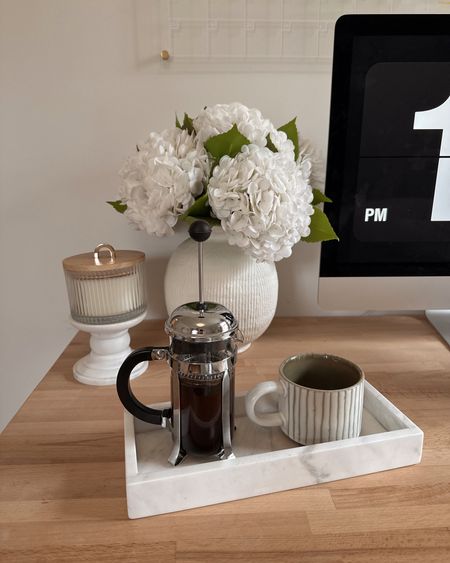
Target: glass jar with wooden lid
{"points": [[105, 286]]}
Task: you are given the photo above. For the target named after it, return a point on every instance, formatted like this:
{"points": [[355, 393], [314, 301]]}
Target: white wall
{"points": [[73, 103]]}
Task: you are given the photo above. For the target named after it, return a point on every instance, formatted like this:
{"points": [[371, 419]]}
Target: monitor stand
{"points": [[440, 319]]}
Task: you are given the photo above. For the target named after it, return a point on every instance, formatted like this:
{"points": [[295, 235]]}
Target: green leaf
{"points": [[229, 143], [319, 197], [118, 205], [200, 208], [270, 145], [321, 228], [177, 122], [291, 131], [188, 123]]}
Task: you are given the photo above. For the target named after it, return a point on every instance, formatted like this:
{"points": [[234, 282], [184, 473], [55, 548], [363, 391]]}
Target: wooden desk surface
{"points": [[62, 484]]}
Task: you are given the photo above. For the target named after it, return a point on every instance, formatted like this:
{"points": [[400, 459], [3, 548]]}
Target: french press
{"points": [[202, 354]]}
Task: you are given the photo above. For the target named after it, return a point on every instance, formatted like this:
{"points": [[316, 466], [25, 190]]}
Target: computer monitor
{"points": [[388, 166]]}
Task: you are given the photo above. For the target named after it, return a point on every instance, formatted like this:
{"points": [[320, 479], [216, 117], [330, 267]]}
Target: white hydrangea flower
{"points": [[250, 122], [262, 201], [311, 164], [281, 142], [161, 180]]}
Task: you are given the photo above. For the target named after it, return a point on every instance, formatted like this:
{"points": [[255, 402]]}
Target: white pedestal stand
{"points": [[110, 345]]}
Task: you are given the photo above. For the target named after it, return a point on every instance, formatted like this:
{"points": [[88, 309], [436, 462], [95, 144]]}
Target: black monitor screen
{"points": [[388, 166]]}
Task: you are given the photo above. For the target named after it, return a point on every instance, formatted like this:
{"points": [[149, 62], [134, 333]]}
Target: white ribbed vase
{"points": [[231, 277]]}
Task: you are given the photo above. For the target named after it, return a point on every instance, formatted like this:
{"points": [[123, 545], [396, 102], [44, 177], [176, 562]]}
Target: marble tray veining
{"points": [[266, 460]]}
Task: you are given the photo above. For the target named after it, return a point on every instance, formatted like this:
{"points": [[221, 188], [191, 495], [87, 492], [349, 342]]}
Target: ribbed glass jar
{"points": [[105, 289]]}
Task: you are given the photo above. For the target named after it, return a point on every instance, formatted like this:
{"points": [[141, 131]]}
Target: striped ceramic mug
{"points": [[320, 399]]}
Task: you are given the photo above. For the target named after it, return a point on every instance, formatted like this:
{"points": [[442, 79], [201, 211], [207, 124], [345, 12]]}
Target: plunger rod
{"points": [[200, 231], [200, 275]]}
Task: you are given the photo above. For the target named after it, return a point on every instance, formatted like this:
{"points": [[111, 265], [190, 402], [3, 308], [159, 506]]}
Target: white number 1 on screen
{"points": [[439, 118]]}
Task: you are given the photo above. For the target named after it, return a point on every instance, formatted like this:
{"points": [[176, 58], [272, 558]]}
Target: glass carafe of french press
{"points": [[202, 355]]}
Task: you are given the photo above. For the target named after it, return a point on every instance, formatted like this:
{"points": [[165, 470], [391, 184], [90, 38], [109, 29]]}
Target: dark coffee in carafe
{"points": [[201, 395], [201, 414]]}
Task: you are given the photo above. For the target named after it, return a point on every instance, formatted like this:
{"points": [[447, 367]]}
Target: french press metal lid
{"points": [[211, 323]]}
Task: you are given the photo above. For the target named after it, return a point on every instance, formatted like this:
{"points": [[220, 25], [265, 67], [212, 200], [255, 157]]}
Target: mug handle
{"points": [[253, 396], [126, 395]]}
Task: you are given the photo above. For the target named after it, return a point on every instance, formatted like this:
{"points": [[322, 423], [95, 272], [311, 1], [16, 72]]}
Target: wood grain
{"points": [[62, 487]]}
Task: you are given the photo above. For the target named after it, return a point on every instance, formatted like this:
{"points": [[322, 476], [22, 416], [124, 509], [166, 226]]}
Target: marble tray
{"points": [[266, 460]]}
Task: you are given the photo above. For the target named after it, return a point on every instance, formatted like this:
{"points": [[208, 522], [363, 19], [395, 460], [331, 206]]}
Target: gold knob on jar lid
{"points": [[109, 248], [165, 55]]}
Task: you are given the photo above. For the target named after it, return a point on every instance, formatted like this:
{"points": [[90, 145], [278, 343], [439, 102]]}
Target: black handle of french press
{"points": [[126, 395]]}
